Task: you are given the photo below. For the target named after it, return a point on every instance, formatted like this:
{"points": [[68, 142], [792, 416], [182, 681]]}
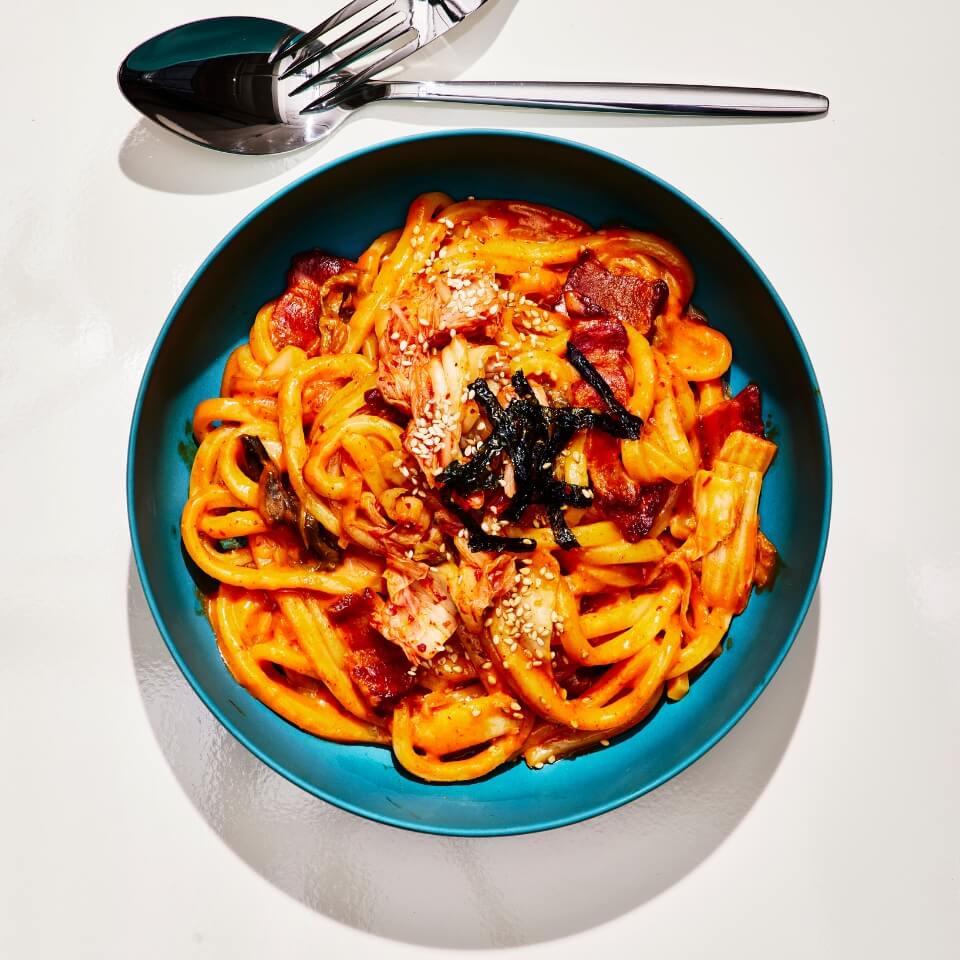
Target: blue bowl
{"points": [[340, 208]]}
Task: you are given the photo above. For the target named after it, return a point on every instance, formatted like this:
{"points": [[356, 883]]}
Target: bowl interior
{"points": [[341, 209]]}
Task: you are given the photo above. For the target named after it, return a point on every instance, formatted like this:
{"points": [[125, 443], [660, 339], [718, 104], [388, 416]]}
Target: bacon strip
{"points": [[632, 506], [741, 412], [603, 341], [376, 666], [296, 315], [592, 290]]}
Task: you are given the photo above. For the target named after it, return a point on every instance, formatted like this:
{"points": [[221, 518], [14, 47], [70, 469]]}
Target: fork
{"points": [[422, 21]]}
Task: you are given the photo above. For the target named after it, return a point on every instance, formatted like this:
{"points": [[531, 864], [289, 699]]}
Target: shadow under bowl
{"points": [[340, 208]]}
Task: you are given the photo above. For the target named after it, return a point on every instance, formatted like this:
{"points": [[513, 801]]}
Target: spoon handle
{"points": [[644, 98]]}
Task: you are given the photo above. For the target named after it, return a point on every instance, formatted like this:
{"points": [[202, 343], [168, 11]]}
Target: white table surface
{"points": [[825, 824]]}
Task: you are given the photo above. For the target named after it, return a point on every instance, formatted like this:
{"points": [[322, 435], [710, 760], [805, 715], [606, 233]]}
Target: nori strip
{"points": [[625, 420], [479, 540], [532, 436]]}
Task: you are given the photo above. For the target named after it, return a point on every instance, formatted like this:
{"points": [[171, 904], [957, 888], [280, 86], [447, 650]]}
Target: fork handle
{"points": [[645, 98]]}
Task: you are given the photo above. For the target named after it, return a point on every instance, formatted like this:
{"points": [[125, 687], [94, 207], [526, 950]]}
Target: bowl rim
{"points": [[596, 809]]}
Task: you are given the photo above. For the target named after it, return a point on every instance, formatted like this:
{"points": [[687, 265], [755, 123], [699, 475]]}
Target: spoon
{"points": [[214, 83]]}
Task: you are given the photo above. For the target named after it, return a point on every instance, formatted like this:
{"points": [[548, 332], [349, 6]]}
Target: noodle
{"points": [[480, 495]]}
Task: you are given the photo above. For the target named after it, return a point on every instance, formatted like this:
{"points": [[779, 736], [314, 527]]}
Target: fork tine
{"points": [[372, 21], [281, 43], [344, 13], [343, 89], [388, 36]]}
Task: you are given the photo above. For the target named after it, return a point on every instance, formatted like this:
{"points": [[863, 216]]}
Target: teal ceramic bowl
{"points": [[340, 208]]}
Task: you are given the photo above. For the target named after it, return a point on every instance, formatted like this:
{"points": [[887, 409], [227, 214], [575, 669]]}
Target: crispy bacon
{"points": [[633, 507], [741, 412], [638, 521], [603, 341], [377, 667], [592, 290], [297, 313]]}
